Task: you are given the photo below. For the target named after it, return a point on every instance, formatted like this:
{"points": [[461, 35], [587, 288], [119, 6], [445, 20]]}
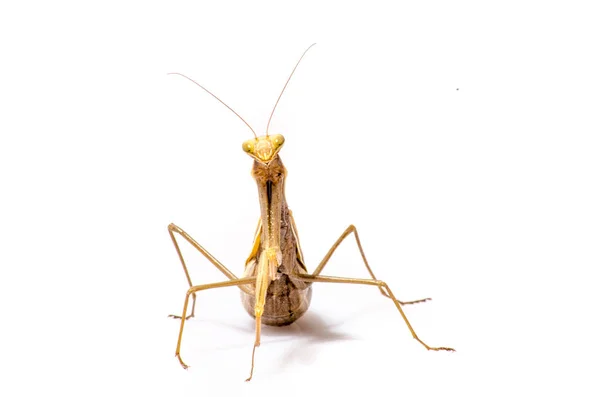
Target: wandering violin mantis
{"points": [[276, 285]]}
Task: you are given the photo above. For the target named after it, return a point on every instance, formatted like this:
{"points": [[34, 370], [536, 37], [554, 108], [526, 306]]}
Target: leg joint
{"points": [[174, 228], [192, 291]]}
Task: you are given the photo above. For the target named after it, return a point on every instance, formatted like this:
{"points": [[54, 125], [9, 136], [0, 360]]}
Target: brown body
{"points": [[287, 298], [276, 288]]}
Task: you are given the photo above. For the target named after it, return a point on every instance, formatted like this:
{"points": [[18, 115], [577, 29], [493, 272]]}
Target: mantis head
{"points": [[264, 148]]}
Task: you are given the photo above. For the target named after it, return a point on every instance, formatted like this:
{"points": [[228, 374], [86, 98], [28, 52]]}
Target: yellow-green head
{"points": [[264, 148]]}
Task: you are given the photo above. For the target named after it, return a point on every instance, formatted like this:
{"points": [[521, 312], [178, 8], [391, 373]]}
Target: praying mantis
{"points": [[276, 287]]}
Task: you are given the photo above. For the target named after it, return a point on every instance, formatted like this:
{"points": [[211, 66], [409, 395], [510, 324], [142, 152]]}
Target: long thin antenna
{"points": [[286, 83], [217, 98]]}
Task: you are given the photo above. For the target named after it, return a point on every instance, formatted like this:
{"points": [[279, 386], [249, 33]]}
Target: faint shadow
{"points": [[308, 331]]}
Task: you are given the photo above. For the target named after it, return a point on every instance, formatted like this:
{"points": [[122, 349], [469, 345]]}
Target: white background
{"points": [[460, 138]]}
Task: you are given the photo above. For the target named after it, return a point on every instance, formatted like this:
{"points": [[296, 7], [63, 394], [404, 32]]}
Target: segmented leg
{"points": [[192, 291], [352, 229], [176, 229], [377, 283]]}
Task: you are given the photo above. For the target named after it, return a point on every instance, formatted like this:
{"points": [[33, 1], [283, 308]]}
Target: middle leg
{"points": [[378, 283], [192, 291], [352, 229], [174, 229]]}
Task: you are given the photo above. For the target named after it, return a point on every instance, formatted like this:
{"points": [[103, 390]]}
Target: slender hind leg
{"points": [[380, 285], [192, 291], [176, 229], [352, 229]]}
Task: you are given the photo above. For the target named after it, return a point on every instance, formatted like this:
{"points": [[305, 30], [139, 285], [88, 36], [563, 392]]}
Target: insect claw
{"points": [[176, 317], [448, 349], [184, 365], [412, 302]]}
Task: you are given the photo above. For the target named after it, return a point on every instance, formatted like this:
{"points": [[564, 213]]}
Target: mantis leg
{"points": [[352, 229], [176, 229], [377, 283], [192, 291]]}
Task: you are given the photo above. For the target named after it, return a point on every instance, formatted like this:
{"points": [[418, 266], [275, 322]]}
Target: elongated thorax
{"points": [[278, 298]]}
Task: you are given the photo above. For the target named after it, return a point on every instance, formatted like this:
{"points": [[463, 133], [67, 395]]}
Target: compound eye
{"points": [[278, 140], [248, 146]]}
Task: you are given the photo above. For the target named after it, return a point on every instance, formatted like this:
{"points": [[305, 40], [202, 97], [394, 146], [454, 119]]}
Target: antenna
{"points": [[217, 98], [284, 87]]}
